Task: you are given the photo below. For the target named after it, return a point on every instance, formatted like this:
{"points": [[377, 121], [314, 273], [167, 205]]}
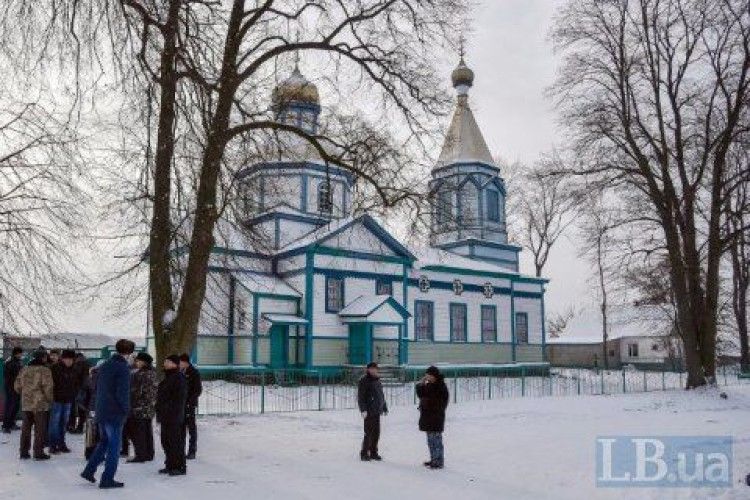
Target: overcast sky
{"points": [[511, 55]]}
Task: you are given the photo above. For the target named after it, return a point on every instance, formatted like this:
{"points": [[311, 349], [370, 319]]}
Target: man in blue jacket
{"points": [[111, 410]]}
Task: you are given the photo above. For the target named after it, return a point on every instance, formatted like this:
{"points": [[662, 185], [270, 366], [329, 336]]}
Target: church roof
{"points": [[464, 141], [264, 283]]}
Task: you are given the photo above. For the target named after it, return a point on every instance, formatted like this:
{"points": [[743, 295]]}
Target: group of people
{"points": [[433, 401], [118, 399], [50, 391]]}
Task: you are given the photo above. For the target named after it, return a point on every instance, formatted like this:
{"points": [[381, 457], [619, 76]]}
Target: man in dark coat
{"points": [[372, 405], [11, 369], [170, 413], [78, 412], [111, 410], [142, 408], [433, 400], [64, 379], [194, 389]]}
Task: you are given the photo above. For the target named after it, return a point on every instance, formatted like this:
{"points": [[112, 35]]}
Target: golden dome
{"points": [[296, 88], [462, 75]]}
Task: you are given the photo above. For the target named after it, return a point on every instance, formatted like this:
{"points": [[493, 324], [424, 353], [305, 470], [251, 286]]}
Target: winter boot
{"points": [[364, 457]]}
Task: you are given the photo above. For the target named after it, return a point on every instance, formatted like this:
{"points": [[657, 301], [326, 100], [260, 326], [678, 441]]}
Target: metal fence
{"points": [[292, 390]]}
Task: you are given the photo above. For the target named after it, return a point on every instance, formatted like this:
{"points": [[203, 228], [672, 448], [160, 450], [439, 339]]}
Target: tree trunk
{"points": [[160, 281]]}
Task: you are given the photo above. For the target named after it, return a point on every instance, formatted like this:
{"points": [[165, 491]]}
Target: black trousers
{"points": [[125, 446], [38, 421], [12, 402], [141, 433], [173, 443], [372, 435], [191, 430]]}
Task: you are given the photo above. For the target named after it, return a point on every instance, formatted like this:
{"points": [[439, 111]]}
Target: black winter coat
{"points": [[433, 400], [171, 397], [194, 386], [11, 369], [370, 397], [65, 386]]}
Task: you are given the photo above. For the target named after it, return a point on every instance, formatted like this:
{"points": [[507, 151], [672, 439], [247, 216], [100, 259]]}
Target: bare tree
{"points": [[541, 207], [660, 89]]}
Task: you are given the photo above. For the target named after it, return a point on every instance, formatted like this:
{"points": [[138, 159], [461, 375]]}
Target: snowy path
{"points": [[516, 449]]}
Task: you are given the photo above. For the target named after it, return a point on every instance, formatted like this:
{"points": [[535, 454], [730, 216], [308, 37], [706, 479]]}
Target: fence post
{"points": [[601, 378], [680, 381], [455, 389], [262, 392], [645, 382], [320, 390], [489, 387], [523, 381], [663, 379], [724, 369], [624, 389], [578, 381]]}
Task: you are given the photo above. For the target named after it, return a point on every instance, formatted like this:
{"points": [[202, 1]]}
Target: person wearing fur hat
{"points": [[64, 379], [34, 384], [433, 400], [142, 408], [171, 397]]}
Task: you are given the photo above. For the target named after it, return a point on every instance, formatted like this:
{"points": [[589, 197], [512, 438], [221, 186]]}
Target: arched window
{"points": [[325, 197], [493, 206]]}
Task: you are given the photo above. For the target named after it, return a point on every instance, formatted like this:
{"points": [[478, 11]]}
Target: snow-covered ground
{"points": [[524, 448]]}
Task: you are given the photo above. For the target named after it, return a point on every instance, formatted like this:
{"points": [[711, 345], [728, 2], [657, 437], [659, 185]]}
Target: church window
{"points": [[383, 287], [489, 323], [444, 207], [522, 328], [334, 294], [493, 206], [423, 320], [458, 322], [325, 198]]}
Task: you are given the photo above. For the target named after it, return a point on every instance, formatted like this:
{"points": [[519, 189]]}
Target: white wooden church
{"points": [[333, 288]]}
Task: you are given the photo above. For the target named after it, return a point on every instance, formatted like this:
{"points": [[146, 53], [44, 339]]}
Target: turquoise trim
{"points": [[303, 192], [255, 329], [341, 252], [462, 305], [544, 332], [482, 308], [230, 330], [489, 274], [309, 291], [432, 319], [513, 320], [403, 345]]}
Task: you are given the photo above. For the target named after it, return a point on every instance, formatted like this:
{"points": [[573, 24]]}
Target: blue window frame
{"points": [[325, 198], [458, 322], [522, 328], [383, 286], [489, 323], [424, 320], [334, 294], [493, 206]]}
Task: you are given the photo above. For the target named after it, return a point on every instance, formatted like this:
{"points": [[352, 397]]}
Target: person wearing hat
{"points": [[11, 369], [34, 384], [64, 379], [372, 405], [53, 357], [433, 400], [111, 409], [195, 388], [170, 413], [142, 408]]}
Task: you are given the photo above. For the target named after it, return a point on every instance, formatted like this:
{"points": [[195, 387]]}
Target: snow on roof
{"points": [[623, 320], [320, 233], [284, 319], [363, 305], [264, 283], [431, 256]]}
